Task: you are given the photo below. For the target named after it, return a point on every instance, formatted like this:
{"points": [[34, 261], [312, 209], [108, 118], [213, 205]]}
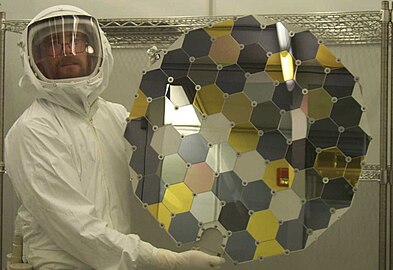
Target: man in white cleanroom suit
{"points": [[67, 157]]}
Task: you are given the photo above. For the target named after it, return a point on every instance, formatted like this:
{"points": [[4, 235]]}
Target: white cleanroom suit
{"points": [[68, 162]]}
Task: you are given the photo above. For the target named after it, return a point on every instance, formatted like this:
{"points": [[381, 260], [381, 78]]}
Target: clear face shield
{"points": [[65, 48]]}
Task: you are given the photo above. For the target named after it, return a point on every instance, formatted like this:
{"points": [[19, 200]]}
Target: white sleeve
{"points": [[43, 174]]}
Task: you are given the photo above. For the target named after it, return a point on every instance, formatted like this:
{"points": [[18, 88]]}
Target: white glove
{"points": [[190, 260]]}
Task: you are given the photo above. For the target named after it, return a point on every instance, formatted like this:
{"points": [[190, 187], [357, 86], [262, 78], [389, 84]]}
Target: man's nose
{"points": [[68, 49]]}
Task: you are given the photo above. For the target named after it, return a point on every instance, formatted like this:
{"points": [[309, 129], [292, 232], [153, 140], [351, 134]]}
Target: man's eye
{"points": [[79, 40], [53, 42]]}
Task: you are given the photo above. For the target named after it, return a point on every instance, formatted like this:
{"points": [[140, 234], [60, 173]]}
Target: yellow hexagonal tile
{"points": [[280, 66], [178, 198], [330, 163], [237, 108], [263, 226], [209, 100], [326, 58], [317, 104], [243, 137], [139, 107], [220, 29], [268, 249], [161, 214], [353, 170]]}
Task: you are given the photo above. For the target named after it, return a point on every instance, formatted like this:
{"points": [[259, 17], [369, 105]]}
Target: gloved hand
{"points": [[189, 260]]}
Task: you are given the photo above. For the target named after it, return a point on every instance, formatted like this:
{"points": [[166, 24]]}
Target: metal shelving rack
{"points": [[334, 28]]}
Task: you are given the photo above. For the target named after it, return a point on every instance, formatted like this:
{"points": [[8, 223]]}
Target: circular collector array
{"points": [[251, 127]]}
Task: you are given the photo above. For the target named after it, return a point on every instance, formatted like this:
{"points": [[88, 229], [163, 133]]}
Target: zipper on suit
{"points": [[90, 121]]}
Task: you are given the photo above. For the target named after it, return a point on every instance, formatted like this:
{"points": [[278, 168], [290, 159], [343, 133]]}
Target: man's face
{"points": [[63, 56]]}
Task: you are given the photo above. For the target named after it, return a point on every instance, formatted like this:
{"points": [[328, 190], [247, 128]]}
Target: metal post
{"points": [[212, 7], [383, 202], [2, 79], [390, 152], [2, 169]]}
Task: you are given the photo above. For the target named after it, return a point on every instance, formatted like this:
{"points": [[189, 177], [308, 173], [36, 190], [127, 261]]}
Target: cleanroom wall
{"points": [[351, 243]]}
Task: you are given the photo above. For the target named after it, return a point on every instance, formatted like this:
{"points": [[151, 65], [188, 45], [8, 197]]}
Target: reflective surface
{"points": [[184, 227], [215, 128], [243, 137], [272, 145], [288, 97], [339, 83], [308, 184], [193, 149], [224, 51], [291, 200], [324, 133], [139, 106], [256, 196], [310, 75], [228, 187], [181, 92], [317, 104], [176, 63], [301, 154], [166, 140], [294, 125], [153, 83], [237, 108], [234, 216], [178, 198], [292, 235], [316, 214], [161, 213], [253, 58], [250, 127], [231, 79], [173, 169], [209, 100], [267, 249], [206, 207], [259, 87], [221, 158], [266, 116], [199, 178], [326, 58], [241, 246], [346, 112], [203, 71], [270, 174], [219, 29], [250, 166], [263, 226]]}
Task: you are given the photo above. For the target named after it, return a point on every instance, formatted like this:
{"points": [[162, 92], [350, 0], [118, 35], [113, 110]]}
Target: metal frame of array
{"points": [[335, 28]]}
